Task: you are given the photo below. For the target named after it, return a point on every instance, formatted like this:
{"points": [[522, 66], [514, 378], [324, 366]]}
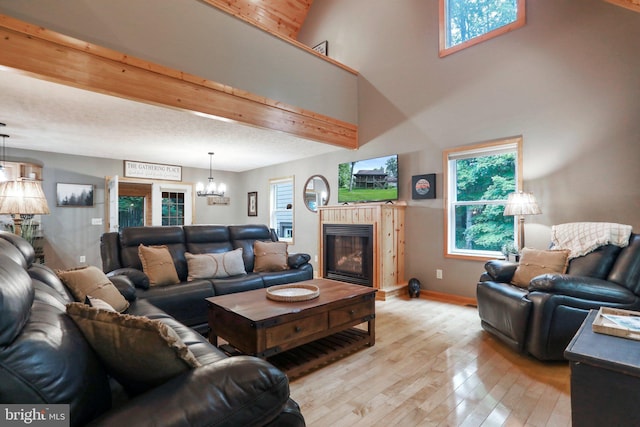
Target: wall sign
{"points": [[152, 171]]}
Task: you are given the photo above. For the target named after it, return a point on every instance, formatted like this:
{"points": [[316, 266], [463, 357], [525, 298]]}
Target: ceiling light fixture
{"points": [[211, 188]]}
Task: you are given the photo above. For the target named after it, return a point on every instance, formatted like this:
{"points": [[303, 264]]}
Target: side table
{"points": [[605, 378]]}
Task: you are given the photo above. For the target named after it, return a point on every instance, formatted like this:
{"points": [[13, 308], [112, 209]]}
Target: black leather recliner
{"points": [[542, 319], [45, 359]]}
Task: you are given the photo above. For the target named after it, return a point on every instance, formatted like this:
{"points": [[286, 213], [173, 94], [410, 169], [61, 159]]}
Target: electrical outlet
{"points": [[316, 258], [83, 258], [438, 274], [96, 221]]}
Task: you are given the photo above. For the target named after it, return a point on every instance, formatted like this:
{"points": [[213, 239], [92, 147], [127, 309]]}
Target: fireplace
{"points": [[348, 253]]}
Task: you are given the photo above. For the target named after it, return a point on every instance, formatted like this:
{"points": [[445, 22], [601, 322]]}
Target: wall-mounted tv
{"points": [[370, 180]]}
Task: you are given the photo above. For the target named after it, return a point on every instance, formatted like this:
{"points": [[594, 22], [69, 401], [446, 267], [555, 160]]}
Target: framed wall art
{"points": [[74, 195], [423, 186], [322, 47], [252, 203]]}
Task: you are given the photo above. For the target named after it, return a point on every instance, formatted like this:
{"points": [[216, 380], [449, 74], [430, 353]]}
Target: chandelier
{"points": [[211, 189]]}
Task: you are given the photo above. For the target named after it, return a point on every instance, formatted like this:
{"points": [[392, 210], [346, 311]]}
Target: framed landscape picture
{"points": [[74, 195]]}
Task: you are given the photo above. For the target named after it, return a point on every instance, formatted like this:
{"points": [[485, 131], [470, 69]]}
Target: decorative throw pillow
{"points": [[270, 256], [214, 266], [98, 303], [91, 281], [534, 262], [158, 265], [139, 352]]}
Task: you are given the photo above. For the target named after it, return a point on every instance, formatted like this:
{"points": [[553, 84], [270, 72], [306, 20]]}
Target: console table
{"points": [[605, 378]]}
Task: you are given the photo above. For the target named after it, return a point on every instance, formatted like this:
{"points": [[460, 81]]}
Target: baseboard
{"points": [[450, 298], [392, 292]]}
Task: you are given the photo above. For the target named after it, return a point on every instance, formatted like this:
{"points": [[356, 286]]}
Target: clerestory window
{"points": [[464, 23]]}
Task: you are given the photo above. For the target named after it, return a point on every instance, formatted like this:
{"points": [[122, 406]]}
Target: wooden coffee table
{"points": [[296, 336]]}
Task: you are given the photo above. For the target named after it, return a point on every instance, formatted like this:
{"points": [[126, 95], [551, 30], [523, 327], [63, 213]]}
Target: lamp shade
{"points": [[521, 203], [22, 197]]}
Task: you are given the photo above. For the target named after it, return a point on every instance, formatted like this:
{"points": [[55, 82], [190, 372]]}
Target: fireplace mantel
{"points": [[388, 240]]}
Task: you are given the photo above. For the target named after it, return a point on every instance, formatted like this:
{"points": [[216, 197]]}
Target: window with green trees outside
{"points": [[478, 181], [464, 23]]}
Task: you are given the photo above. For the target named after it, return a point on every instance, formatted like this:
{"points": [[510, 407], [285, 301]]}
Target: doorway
{"points": [[129, 203], [134, 204]]}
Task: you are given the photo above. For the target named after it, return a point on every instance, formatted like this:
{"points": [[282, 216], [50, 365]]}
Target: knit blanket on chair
{"points": [[583, 237]]}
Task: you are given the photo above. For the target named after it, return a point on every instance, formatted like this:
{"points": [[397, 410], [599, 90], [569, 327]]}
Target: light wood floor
{"points": [[433, 365]]}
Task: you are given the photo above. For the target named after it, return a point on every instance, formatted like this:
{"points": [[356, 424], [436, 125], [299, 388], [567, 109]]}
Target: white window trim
{"points": [[492, 147], [272, 204], [156, 211], [520, 21]]}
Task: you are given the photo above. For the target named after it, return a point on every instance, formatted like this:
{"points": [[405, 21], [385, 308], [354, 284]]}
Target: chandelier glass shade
{"points": [[211, 189]]}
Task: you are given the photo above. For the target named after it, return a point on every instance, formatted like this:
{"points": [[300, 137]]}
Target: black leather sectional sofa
{"points": [[45, 359], [186, 300], [542, 319]]}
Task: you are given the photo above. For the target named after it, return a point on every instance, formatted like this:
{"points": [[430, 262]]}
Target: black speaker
{"points": [[414, 288]]}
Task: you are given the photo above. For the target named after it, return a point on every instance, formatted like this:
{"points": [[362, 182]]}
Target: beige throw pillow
{"points": [[90, 281], [214, 266], [158, 265], [139, 352], [270, 256], [98, 303], [534, 262]]}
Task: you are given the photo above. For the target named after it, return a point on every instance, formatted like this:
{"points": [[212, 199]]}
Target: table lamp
{"points": [[521, 204], [22, 200]]}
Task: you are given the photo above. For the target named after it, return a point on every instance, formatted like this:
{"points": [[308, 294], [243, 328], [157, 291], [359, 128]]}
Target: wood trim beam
{"points": [[53, 56], [628, 4]]}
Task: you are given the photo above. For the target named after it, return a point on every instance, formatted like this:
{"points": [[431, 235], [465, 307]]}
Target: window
{"points": [[465, 23], [172, 208], [281, 207], [477, 181]]}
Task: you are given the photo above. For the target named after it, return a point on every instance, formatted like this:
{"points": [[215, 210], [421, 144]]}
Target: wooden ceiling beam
{"points": [[284, 17], [52, 56], [629, 4]]}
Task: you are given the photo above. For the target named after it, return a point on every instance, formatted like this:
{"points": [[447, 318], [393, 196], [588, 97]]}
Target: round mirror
{"points": [[316, 192]]}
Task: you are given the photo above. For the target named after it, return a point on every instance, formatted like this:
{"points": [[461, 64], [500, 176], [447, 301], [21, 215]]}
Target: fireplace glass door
{"points": [[348, 253]]}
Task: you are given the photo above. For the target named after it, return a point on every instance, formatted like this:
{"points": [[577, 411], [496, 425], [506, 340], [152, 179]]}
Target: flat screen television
{"points": [[370, 180]]}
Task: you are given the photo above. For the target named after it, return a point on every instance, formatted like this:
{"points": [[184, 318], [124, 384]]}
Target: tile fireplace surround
{"points": [[388, 241]]}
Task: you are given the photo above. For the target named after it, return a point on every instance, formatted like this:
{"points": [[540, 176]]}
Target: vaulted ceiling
{"points": [[283, 17]]}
